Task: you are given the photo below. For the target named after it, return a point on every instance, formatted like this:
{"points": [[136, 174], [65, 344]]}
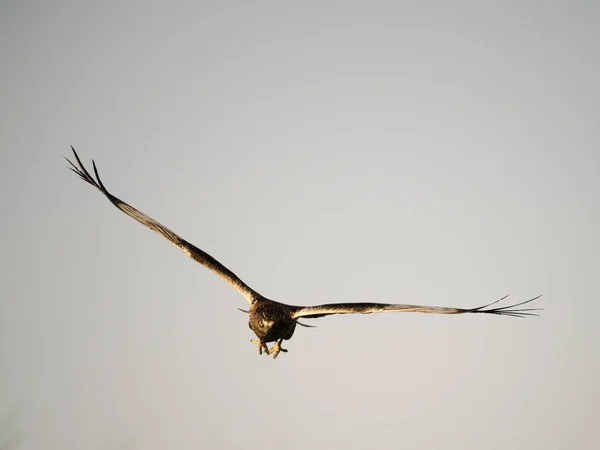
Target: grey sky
{"points": [[441, 153]]}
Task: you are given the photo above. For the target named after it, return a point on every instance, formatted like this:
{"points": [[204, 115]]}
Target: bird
{"points": [[272, 321]]}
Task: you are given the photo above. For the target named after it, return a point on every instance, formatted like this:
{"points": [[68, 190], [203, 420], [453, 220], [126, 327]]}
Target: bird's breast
{"points": [[271, 322]]}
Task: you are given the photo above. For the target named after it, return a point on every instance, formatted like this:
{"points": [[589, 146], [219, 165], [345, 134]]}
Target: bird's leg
{"points": [[261, 346], [277, 348]]}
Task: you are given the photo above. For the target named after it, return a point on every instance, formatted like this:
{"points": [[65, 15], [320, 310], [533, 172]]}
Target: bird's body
{"points": [[273, 321]]}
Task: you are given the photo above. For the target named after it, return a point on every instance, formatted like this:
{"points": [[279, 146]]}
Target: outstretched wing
{"points": [[312, 312], [192, 251]]}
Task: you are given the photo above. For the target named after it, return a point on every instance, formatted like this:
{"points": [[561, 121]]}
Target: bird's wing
{"points": [[312, 312], [192, 251]]}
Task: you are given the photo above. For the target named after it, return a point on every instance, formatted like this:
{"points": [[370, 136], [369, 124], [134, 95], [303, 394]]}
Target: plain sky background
{"points": [[441, 153]]}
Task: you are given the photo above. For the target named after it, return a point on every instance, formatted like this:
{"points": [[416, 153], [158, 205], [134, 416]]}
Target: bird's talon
{"points": [[276, 349], [261, 345]]}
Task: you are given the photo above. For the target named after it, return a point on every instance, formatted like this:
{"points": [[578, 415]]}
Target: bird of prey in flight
{"points": [[272, 321]]}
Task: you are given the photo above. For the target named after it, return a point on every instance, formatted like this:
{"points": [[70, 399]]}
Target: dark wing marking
{"points": [[312, 312], [189, 249]]}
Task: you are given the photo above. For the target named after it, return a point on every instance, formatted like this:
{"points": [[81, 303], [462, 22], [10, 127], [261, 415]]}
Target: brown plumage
{"points": [[272, 321]]}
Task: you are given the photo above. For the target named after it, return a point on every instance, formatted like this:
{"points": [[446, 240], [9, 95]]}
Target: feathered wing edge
{"points": [[189, 249], [313, 312]]}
